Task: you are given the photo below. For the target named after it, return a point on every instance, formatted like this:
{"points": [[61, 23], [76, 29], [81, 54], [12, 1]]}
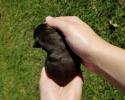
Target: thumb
{"points": [[62, 25]]}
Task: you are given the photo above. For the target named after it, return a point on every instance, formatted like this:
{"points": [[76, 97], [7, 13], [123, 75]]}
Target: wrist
{"points": [[99, 54], [95, 53]]}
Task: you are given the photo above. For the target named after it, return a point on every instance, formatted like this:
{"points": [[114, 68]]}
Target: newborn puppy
{"points": [[61, 64]]}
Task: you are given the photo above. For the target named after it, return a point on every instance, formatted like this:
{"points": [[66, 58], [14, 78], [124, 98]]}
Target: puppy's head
{"points": [[47, 38], [36, 45], [41, 36]]}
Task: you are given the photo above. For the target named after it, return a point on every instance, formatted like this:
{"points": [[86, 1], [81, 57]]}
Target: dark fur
{"points": [[62, 64]]}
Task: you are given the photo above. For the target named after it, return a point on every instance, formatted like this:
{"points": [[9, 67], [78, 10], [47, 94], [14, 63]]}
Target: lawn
{"points": [[20, 64]]}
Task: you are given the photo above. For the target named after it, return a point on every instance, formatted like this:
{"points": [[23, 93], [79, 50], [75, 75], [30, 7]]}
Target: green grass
{"points": [[20, 64]]}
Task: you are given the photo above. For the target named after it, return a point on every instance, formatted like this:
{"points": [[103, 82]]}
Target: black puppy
{"points": [[62, 64]]}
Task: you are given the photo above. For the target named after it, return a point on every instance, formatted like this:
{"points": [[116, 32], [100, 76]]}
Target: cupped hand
{"points": [[49, 90], [79, 36]]}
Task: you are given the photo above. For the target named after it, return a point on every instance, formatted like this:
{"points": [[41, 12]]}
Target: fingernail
{"points": [[49, 18]]}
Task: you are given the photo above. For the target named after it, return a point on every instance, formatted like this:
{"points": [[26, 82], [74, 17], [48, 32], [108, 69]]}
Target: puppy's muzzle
{"points": [[36, 45]]}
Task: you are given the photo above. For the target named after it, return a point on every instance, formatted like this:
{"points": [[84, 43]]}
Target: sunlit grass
{"points": [[20, 64]]}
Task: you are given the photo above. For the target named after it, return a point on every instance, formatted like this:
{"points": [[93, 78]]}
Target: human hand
{"points": [[98, 55], [80, 37], [49, 90]]}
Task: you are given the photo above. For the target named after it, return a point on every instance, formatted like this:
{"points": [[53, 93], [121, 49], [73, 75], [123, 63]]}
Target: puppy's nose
{"points": [[36, 45]]}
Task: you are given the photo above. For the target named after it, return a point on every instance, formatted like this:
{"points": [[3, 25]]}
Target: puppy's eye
{"points": [[36, 45]]}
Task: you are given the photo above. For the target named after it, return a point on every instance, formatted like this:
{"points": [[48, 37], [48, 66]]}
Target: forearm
{"points": [[111, 62]]}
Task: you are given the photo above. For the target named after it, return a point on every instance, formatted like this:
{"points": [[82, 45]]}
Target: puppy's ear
{"points": [[36, 45]]}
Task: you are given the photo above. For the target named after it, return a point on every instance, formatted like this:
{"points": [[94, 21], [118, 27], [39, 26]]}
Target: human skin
{"points": [[97, 55], [49, 90]]}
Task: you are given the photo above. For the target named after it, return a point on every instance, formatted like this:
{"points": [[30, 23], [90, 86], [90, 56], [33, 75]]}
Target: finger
{"points": [[45, 80], [75, 87], [47, 84], [43, 75], [48, 88], [62, 25], [76, 84], [77, 81], [72, 19]]}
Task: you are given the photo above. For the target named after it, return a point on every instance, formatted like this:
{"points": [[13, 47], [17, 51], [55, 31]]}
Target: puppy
{"points": [[61, 64]]}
